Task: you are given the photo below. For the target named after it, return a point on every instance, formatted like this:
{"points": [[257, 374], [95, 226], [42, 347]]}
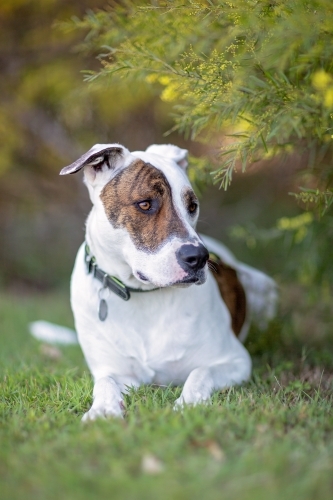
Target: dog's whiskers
{"points": [[212, 266]]}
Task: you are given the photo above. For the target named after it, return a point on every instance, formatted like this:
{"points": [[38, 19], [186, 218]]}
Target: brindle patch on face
{"points": [[232, 293], [149, 229], [190, 201]]}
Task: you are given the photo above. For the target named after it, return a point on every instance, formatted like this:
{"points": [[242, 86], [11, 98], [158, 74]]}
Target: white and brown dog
{"points": [[139, 315]]}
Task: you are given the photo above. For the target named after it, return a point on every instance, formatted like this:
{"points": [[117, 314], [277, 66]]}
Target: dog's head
{"points": [[145, 208]]}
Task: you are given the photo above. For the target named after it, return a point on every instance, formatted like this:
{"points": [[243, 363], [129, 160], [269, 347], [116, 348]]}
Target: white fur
{"points": [[168, 336]]}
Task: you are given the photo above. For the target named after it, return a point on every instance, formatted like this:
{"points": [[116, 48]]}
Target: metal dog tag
{"points": [[102, 310]]}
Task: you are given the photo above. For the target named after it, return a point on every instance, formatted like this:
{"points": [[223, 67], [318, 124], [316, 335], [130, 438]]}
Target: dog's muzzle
{"points": [[192, 259]]}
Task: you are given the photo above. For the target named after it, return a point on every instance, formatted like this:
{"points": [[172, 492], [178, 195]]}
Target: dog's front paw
{"points": [[101, 411], [197, 389], [181, 402]]}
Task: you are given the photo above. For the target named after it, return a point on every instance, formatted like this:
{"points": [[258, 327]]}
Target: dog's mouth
{"points": [[193, 279], [142, 277], [188, 281], [196, 279]]}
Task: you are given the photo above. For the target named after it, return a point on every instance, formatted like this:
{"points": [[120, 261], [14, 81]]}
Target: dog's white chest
{"points": [[158, 336]]}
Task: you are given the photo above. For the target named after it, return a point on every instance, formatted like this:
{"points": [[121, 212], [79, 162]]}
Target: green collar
{"points": [[113, 284]]}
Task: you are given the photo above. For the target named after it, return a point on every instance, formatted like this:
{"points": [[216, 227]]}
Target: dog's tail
{"points": [[261, 294], [261, 297], [52, 334]]}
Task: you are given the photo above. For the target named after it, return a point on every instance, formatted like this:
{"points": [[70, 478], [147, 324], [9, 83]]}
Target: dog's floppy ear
{"points": [[170, 151], [100, 157]]}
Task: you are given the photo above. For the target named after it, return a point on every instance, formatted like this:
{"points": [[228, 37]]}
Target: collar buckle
{"points": [[87, 261], [105, 281]]}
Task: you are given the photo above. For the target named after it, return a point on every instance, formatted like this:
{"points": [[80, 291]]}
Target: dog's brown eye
{"points": [[145, 205], [192, 207]]}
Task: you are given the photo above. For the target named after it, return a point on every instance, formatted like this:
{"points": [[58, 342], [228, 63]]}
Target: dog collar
{"points": [[113, 284]]}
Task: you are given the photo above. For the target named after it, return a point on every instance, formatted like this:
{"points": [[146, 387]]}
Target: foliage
{"points": [[43, 101], [320, 199], [257, 71], [304, 244], [271, 438]]}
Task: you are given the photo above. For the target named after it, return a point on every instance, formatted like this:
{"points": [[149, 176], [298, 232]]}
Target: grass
{"points": [[270, 439]]}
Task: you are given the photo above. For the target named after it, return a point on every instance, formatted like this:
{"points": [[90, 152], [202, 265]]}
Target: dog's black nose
{"points": [[192, 258]]}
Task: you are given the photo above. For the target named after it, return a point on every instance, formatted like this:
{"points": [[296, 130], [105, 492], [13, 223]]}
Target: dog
{"points": [[154, 302]]}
